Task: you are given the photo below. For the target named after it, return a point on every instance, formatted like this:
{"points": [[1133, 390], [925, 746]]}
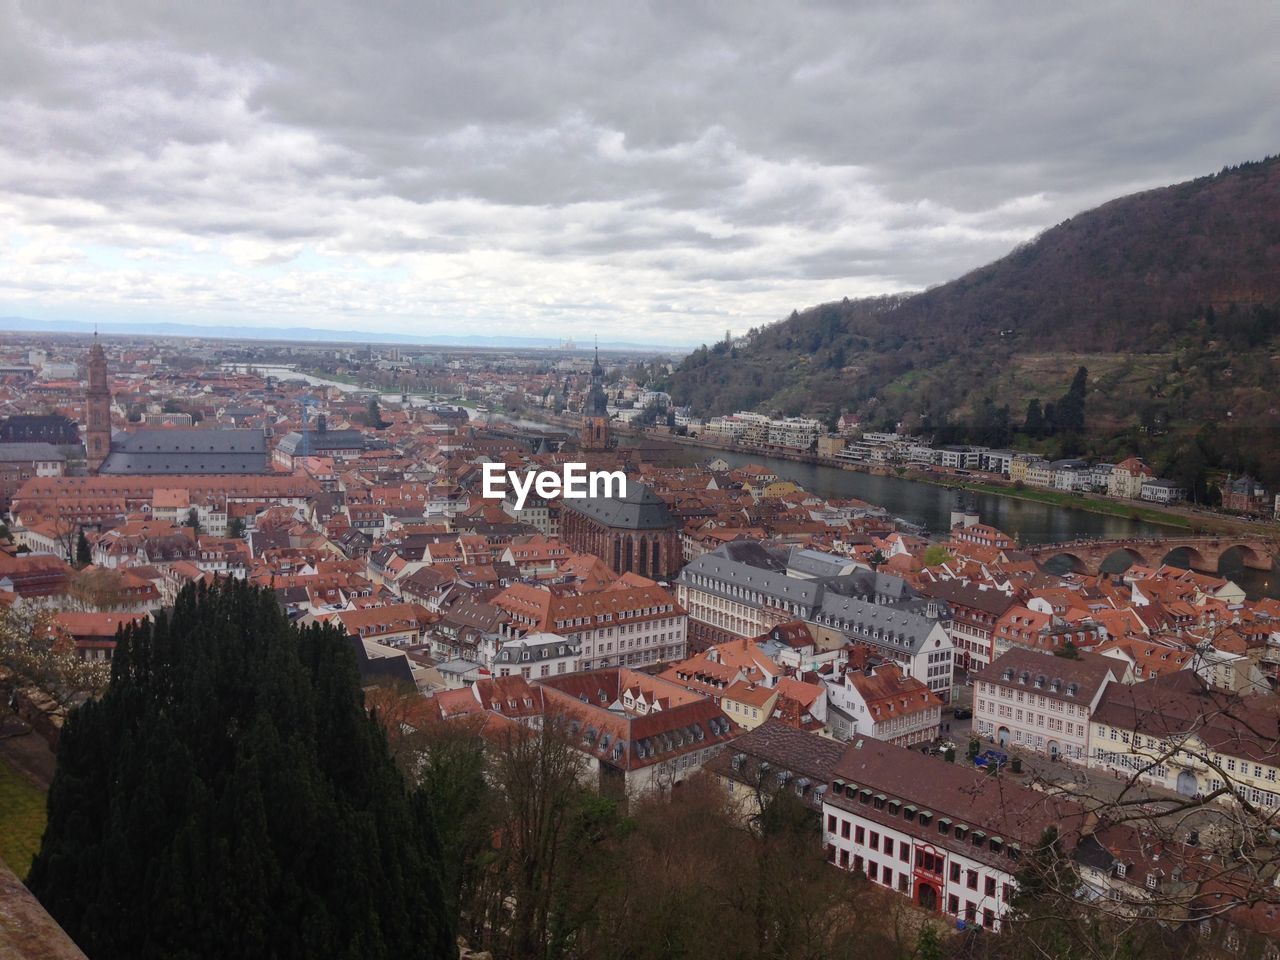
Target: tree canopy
{"points": [[229, 796]]}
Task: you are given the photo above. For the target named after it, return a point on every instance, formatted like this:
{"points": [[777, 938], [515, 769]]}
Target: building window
{"points": [[971, 879]]}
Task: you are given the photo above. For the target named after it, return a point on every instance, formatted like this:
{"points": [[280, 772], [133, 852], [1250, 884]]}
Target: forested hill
{"points": [[1170, 298]]}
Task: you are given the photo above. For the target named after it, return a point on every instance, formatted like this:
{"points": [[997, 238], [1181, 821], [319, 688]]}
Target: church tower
{"points": [[595, 435], [97, 404]]}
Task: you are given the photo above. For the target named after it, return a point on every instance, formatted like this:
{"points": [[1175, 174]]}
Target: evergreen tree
{"points": [[1033, 425], [1050, 419], [84, 556], [229, 796], [1069, 412]]}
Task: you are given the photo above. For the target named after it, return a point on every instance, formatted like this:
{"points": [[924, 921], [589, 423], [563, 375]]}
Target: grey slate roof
{"points": [[815, 563], [24, 452], [184, 451], [640, 509], [538, 646], [748, 566], [318, 441], [34, 427], [717, 573], [872, 584], [887, 626]]}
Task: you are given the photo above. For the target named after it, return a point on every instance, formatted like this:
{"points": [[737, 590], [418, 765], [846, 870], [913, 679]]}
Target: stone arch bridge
{"points": [[1202, 553]]}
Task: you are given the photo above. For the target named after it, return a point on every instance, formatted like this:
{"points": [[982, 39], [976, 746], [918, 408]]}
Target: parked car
{"points": [[963, 713]]}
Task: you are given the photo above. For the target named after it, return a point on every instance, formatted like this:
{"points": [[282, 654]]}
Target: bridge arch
{"points": [[1248, 557], [1185, 556], [1064, 561], [1121, 558]]}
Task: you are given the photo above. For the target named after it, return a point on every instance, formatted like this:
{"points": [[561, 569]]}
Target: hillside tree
{"points": [[230, 796]]}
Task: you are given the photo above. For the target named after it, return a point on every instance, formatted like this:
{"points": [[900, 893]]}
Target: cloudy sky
{"points": [[657, 172]]}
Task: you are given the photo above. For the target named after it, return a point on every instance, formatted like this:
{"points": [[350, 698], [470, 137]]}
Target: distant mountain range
{"points": [[1170, 298], [312, 334]]}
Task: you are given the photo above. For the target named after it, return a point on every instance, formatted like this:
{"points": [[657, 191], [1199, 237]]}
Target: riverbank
{"points": [[1174, 517], [1073, 501], [1188, 518]]}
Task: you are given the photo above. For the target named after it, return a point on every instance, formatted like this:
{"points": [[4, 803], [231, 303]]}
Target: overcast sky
{"points": [[655, 172]]}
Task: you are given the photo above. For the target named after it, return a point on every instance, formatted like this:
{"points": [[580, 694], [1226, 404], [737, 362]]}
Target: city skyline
{"points": [[666, 174]]}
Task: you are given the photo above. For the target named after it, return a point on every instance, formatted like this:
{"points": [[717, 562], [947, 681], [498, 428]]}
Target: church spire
{"points": [[595, 411]]}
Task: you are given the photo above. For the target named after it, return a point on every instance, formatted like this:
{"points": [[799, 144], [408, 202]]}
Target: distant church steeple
{"points": [[97, 407], [595, 433]]}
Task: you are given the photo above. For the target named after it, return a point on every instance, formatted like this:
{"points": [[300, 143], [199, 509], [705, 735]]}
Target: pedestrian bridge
{"points": [[1202, 553]]}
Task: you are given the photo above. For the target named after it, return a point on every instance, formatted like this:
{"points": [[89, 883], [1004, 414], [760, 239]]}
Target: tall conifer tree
{"points": [[229, 796]]}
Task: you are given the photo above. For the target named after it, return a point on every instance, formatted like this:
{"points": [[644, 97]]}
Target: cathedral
{"points": [[636, 533], [167, 450], [595, 435]]}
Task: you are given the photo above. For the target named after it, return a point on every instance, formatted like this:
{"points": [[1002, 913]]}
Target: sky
{"points": [[654, 172]]}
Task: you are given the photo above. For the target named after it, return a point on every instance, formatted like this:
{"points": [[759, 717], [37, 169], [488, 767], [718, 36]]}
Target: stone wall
{"points": [[26, 931]]}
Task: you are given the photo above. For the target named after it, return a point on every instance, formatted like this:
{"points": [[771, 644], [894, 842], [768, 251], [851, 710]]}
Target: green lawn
{"points": [[1063, 498], [21, 819]]}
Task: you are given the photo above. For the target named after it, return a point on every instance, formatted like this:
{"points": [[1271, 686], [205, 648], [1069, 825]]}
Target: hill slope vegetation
{"points": [[1170, 299]]}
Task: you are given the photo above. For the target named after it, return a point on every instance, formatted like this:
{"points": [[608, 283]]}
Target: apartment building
{"points": [[628, 626], [943, 835], [881, 702], [971, 612], [917, 643], [536, 655], [1180, 733], [1042, 703]]}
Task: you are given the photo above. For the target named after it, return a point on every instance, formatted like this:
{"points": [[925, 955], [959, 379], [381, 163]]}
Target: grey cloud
{"points": [[496, 161]]}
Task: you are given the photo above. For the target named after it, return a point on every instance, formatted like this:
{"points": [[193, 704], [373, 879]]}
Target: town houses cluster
{"points": [[698, 620]]}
